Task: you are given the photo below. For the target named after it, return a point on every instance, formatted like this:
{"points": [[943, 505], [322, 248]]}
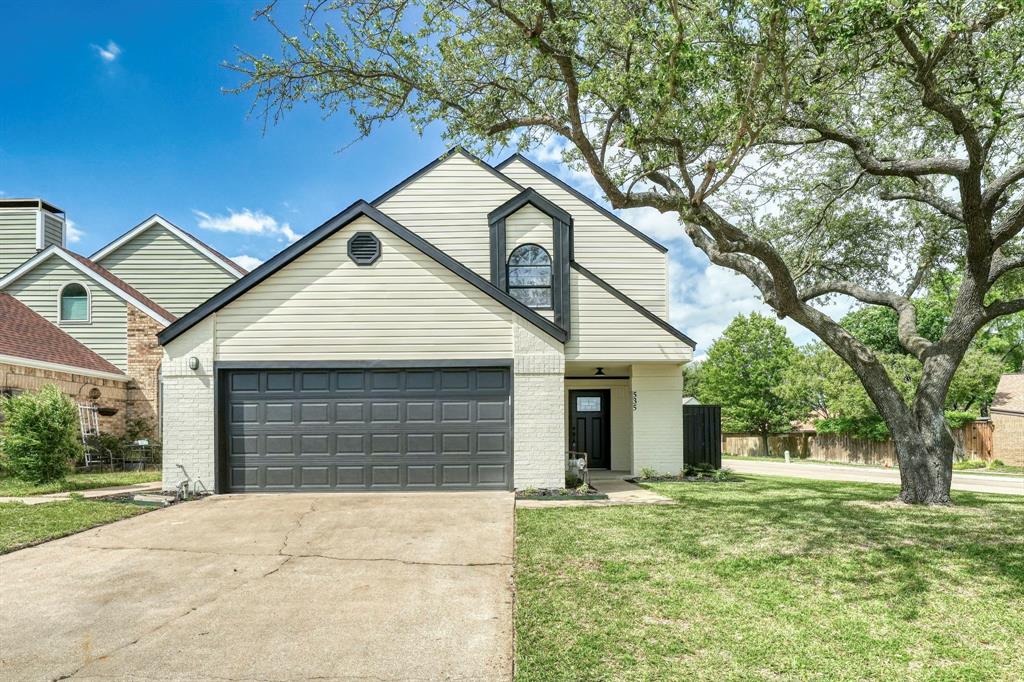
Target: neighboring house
{"points": [[1007, 415], [106, 311], [462, 331], [35, 352]]}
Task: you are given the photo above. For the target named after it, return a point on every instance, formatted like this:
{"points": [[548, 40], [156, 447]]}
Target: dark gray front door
{"points": [[591, 427], [366, 429]]}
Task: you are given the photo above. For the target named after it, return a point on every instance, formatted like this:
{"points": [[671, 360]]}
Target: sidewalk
{"points": [[972, 482], [88, 494]]}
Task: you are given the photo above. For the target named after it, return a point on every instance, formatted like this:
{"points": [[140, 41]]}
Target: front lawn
{"points": [[12, 487], [772, 578], [23, 524]]}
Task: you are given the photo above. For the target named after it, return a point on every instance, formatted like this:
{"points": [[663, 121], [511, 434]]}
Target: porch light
{"points": [[599, 372], [193, 363]]}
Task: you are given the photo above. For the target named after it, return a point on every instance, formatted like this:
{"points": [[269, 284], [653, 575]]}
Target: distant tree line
{"points": [[764, 382]]}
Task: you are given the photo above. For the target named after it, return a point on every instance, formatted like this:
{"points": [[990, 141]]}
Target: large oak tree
{"points": [[820, 149]]}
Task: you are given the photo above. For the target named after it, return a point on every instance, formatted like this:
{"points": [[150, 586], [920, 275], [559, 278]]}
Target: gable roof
{"points": [[360, 208], [437, 162], [582, 197], [209, 252], [1009, 395], [28, 335], [534, 198], [98, 274], [633, 304]]}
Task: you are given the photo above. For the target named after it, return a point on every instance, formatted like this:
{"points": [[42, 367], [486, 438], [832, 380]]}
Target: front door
{"points": [[590, 426]]}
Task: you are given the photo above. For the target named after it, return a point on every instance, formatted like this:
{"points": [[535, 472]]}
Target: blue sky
{"points": [[114, 111]]}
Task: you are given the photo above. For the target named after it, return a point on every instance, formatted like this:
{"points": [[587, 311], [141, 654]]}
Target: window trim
{"points": [[551, 276], [88, 304]]}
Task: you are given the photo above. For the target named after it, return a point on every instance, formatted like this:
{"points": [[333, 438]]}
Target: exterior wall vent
{"points": [[364, 248]]}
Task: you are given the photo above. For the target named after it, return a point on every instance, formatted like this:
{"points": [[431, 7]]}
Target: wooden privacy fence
{"points": [[974, 441]]}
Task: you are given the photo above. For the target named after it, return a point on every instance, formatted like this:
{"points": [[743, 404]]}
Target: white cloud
{"points": [[250, 263], [72, 233], [110, 53], [247, 222]]}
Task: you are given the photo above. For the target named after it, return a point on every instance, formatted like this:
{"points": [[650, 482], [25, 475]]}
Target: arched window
{"points": [[74, 303], [529, 276]]}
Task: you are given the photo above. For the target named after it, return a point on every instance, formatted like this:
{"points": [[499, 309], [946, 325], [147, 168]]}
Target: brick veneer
{"points": [[143, 368], [1008, 437], [76, 386]]}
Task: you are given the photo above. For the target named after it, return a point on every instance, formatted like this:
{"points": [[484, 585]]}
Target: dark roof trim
{"points": [[634, 305], [360, 208], [584, 198], [438, 161], [30, 203], [534, 198]]}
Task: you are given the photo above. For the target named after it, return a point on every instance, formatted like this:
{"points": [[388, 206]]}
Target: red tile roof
{"points": [[122, 285], [25, 333]]}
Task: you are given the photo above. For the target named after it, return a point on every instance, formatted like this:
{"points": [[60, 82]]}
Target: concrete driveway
{"points": [[975, 483], [270, 587]]}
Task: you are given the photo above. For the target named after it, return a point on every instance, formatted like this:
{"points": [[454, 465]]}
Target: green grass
{"points": [[772, 578], [29, 524], [12, 487]]}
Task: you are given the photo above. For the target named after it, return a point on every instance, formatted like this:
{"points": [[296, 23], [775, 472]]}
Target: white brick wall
{"points": [[539, 400], [188, 401], [658, 417]]}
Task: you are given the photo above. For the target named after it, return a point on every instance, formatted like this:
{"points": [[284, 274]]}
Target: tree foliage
{"points": [[848, 149], [743, 373], [39, 434]]}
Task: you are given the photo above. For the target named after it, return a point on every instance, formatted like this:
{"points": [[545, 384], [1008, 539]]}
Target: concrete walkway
{"points": [[975, 483], [135, 489], [270, 587]]}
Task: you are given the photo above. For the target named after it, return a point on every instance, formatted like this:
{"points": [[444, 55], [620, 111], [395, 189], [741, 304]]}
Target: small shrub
{"points": [[969, 464], [997, 464], [647, 472], [39, 437]]}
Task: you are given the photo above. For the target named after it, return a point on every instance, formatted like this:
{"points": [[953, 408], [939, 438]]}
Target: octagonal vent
{"points": [[364, 248]]}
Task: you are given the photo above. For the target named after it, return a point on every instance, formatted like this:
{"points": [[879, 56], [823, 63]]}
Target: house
{"points": [[462, 331], [111, 304], [1007, 415]]}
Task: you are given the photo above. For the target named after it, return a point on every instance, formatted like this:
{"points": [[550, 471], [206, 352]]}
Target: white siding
{"points": [[529, 226], [18, 234], [605, 328], [322, 306], [106, 333], [448, 206], [167, 270], [625, 261]]}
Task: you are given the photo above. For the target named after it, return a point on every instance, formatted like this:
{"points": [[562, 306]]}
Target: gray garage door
{"points": [[367, 429]]}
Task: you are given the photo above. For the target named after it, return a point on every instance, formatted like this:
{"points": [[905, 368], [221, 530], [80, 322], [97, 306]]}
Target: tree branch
{"points": [[996, 189], [904, 307], [944, 207]]}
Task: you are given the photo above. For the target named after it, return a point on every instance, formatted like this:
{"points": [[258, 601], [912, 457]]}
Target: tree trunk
{"points": [[764, 444], [924, 449]]}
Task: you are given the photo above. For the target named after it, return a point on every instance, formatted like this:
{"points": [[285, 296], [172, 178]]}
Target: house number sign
{"points": [[634, 401]]}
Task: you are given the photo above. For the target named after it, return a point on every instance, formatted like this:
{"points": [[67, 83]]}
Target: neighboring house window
{"points": [[529, 276], [74, 303]]}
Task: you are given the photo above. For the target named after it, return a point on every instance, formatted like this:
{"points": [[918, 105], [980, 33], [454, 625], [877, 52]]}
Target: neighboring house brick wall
{"points": [[657, 417], [76, 386], [143, 368], [1008, 437], [188, 413], [539, 409]]}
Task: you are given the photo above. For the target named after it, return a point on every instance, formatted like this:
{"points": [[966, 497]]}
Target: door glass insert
{"points": [[588, 403]]}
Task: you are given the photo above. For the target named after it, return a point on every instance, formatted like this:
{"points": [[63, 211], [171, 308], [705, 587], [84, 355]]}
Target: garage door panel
{"points": [[368, 429]]}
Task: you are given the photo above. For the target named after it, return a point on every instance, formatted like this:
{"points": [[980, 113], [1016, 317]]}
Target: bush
{"points": [[39, 436]]}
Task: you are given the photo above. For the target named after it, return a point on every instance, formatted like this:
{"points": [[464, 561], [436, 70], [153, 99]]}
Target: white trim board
{"points": [[59, 367], [31, 263], [225, 263]]}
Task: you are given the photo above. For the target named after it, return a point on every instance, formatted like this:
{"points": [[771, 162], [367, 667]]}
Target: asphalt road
{"points": [[975, 483]]}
